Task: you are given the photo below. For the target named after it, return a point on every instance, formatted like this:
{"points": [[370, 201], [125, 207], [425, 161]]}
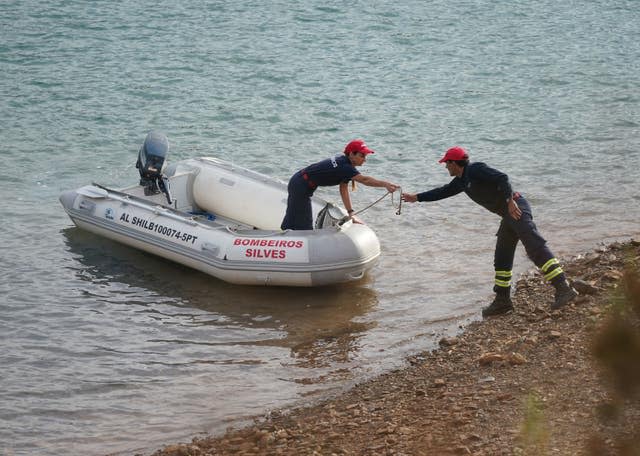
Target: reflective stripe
{"points": [[556, 272], [548, 264], [503, 279]]}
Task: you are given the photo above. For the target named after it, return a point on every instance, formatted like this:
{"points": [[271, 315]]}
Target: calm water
{"points": [[104, 349]]}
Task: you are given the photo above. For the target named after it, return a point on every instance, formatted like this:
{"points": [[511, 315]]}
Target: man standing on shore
{"points": [[492, 190]]}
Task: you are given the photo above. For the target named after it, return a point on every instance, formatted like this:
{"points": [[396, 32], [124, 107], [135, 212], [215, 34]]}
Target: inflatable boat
{"points": [[223, 220]]}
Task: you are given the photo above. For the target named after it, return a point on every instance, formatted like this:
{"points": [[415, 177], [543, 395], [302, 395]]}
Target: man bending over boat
{"points": [[338, 170]]}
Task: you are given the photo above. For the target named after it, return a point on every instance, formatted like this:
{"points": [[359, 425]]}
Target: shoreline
{"points": [[522, 383]]}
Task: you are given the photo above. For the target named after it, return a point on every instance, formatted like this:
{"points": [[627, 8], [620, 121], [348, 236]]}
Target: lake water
{"points": [[104, 349]]}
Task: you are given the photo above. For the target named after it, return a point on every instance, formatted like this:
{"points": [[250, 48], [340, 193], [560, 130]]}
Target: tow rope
{"points": [[398, 207]]}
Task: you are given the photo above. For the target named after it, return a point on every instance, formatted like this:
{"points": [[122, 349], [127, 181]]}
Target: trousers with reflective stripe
{"points": [[524, 230]]}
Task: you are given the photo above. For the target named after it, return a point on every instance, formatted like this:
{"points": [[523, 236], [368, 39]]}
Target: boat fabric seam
{"points": [[238, 170], [253, 234]]}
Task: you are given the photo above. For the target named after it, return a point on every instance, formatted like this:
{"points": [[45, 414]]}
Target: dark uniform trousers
{"points": [[524, 230], [299, 215]]}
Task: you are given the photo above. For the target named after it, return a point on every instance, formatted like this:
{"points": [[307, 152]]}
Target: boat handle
{"points": [[357, 276]]}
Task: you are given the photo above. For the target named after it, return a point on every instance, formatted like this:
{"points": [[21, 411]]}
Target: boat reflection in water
{"points": [[321, 327]]}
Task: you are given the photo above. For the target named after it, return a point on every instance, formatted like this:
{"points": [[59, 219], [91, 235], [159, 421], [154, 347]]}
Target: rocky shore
{"points": [[529, 382]]}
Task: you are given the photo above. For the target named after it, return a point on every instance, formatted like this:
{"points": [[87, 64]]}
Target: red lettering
{"points": [[268, 253]]}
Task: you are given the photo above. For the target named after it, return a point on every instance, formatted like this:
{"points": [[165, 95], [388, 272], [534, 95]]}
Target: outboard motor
{"points": [[151, 164]]}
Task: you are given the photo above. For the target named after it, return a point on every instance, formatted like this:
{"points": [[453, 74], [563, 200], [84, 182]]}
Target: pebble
{"points": [[516, 359], [488, 358], [584, 287]]}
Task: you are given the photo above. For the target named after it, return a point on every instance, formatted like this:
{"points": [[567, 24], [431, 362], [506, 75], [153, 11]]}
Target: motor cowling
{"points": [[151, 164]]}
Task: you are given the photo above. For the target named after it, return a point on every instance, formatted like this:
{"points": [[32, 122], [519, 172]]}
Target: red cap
{"points": [[357, 145], [455, 153]]}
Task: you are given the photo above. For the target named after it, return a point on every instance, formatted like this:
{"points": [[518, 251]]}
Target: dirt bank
{"points": [[523, 383]]}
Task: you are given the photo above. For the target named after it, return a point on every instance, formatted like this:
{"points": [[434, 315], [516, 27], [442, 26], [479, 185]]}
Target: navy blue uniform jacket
{"points": [[331, 171], [486, 186]]}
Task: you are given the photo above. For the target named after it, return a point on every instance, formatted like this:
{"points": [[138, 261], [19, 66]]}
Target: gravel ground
{"points": [[525, 383]]}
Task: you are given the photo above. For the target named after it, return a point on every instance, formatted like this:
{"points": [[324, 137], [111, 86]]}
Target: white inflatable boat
{"points": [[223, 220]]}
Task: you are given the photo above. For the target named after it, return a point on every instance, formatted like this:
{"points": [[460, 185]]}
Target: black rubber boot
{"points": [[500, 305], [564, 295]]}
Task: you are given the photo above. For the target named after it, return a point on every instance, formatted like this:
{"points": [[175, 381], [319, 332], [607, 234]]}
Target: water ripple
{"points": [[107, 349]]}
